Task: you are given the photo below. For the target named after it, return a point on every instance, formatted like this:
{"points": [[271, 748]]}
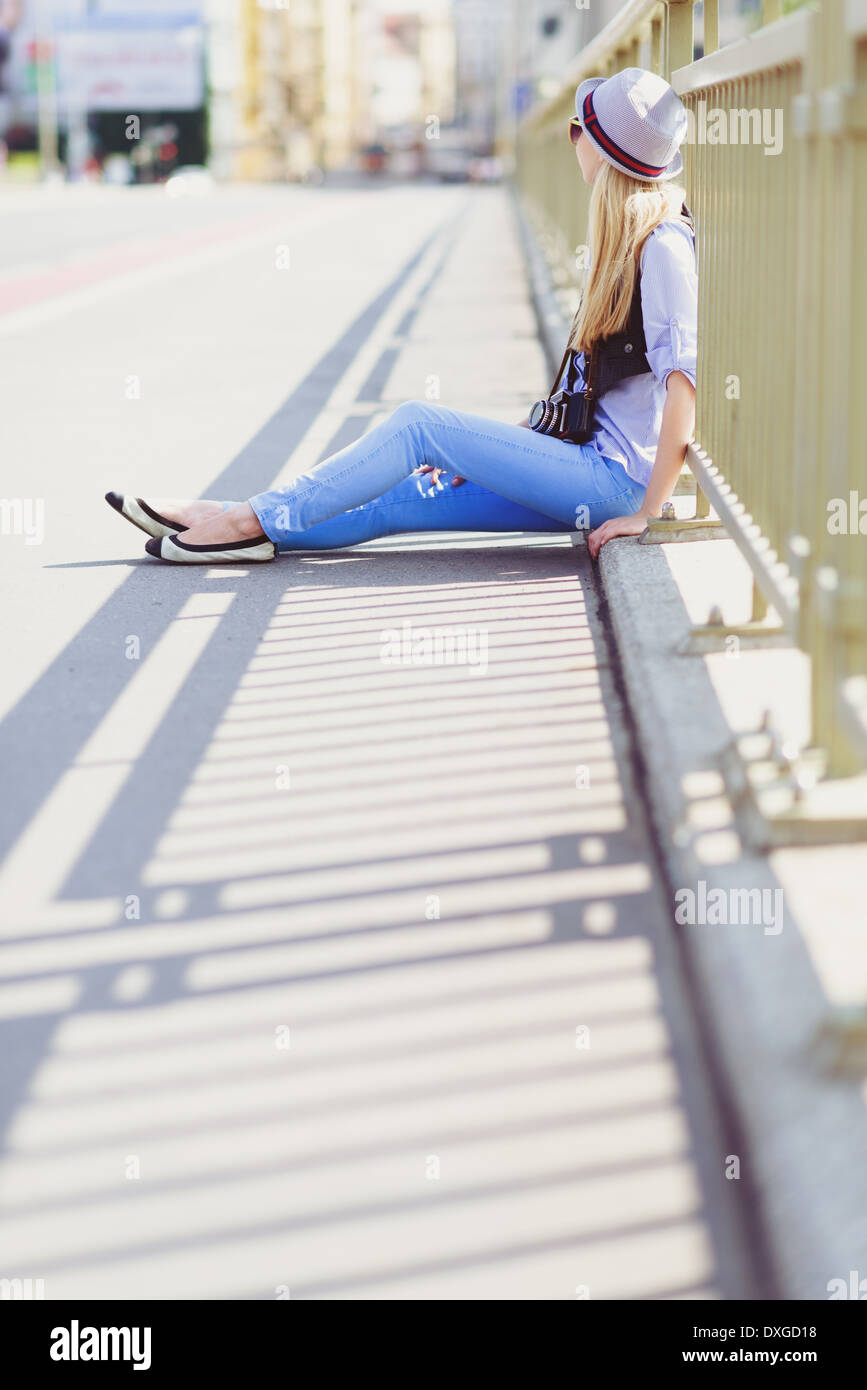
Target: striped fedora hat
{"points": [[636, 121]]}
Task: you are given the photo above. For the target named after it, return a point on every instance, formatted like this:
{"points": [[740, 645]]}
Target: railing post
{"points": [[678, 35], [855, 678], [841, 602], [656, 40], [711, 26], [760, 606]]}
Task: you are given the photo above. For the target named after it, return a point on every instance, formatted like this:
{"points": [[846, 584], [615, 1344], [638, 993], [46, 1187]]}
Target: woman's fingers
{"points": [[606, 532], [435, 480], [436, 471], [615, 526]]}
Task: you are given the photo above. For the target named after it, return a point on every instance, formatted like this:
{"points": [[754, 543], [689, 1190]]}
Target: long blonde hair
{"points": [[623, 213]]}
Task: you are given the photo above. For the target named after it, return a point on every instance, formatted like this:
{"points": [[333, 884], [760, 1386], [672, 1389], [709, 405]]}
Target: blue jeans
{"points": [[517, 480]]}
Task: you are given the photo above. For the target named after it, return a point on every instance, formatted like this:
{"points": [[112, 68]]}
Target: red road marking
{"points": [[54, 281]]}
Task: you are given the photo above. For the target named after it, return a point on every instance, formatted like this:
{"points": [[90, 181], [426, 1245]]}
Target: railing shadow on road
{"points": [[130, 852]]}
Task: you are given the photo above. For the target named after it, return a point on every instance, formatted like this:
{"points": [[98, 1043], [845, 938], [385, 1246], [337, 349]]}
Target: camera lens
{"points": [[542, 416]]}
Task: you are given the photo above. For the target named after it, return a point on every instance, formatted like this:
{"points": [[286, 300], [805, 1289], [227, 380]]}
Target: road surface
{"points": [[325, 973]]}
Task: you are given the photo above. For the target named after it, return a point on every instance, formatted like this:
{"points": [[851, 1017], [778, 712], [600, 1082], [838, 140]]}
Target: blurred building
{"points": [[305, 87], [291, 99], [481, 39], [91, 80], [550, 34]]}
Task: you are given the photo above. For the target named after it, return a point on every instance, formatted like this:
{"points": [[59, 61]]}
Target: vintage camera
{"points": [[565, 415]]}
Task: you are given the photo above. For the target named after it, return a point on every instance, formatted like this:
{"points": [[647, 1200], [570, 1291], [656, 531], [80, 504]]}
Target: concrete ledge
{"points": [[759, 992]]}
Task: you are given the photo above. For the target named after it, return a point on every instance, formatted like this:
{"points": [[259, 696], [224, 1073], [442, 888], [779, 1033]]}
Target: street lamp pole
{"points": [[46, 92]]}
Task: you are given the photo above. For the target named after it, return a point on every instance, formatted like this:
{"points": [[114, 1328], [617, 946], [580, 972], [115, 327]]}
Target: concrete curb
{"points": [[804, 1133]]}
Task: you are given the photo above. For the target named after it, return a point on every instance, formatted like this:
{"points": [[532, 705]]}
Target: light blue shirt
{"points": [[628, 416]]}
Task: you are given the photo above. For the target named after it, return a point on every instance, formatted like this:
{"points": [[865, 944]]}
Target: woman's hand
{"points": [[435, 480], [631, 525], [675, 432]]}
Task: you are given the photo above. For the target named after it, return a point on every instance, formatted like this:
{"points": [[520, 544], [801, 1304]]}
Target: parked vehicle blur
{"points": [[486, 169], [190, 181], [448, 158], [373, 158]]}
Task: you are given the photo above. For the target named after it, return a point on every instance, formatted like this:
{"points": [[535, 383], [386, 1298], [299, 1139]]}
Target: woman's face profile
{"points": [[588, 157]]}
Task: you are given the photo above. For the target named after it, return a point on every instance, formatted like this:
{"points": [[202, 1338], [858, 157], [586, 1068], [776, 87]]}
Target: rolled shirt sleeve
{"points": [[669, 301]]}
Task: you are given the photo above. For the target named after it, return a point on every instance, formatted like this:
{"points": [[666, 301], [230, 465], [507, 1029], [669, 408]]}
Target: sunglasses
{"points": [[574, 130]]}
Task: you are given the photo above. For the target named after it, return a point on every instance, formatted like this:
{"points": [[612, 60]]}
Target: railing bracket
{"points": [[718, 637], [839, 1045], [781, 797], [660, 530]]}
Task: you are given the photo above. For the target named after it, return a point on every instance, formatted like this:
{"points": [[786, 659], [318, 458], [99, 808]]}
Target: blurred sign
{"points": [[139, 7], [37, 54], [522, 97], [131, 62]]}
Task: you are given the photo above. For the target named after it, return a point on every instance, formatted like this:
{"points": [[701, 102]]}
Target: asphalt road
{"points": [[322, 975]]}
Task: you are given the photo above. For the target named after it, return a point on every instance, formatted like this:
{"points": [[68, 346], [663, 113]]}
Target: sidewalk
{"points": [[340, 968], [769, 993]]}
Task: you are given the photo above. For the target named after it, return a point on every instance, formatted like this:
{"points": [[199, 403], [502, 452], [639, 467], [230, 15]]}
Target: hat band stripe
{"points": [[592, 120]]}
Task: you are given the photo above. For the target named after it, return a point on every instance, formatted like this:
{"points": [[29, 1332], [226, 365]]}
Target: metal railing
{"points": [[780, 448]]}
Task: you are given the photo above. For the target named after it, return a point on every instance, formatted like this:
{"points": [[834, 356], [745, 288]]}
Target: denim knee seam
{"points": [[350, 468]]}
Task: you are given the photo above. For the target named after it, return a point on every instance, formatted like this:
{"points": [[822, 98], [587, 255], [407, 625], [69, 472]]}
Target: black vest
{"points": [[622, 354]]}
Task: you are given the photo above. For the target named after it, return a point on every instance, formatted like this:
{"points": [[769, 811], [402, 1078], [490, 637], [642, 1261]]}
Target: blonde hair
{"points": [[623, 213]]}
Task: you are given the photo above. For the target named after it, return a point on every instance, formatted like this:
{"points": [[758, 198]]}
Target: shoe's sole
{"points": [[139, 514], [171, 550]]}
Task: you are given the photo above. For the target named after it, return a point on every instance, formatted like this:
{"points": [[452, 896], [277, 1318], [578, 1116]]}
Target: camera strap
{"points": [[559, 373], [590, 366], [569, 356]]}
